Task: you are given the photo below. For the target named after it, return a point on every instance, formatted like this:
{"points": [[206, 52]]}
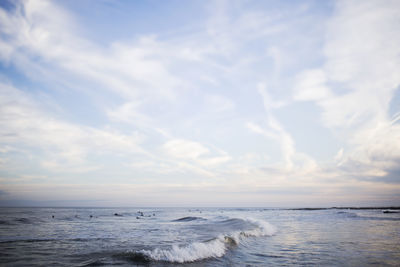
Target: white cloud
{"points": [[188, 96], [41, 29], [361, 58], [362, 55], [24, 123], [361, 45], [310, 86], [186, 155], [375, 151], [128, 113], [294, 160], [212, 161], [185, 149]]}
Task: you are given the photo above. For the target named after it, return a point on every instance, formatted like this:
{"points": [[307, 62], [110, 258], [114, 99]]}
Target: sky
{"points": [[200, 103]]}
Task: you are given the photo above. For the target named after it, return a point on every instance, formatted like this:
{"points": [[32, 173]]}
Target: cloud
{"points": [[392, 175], [359, 56], [375, 152], [23, 123], [185, 106], [294, 160], [137, 70], [310, 85], [195, 156], [184, 149], [41, 30], [356, 84]]}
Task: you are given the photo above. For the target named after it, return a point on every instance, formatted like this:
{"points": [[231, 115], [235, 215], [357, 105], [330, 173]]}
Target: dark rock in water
{"points": [[5, 222], [91, 216], [391, 211], [23, 220], [188, 219], [116, 214], [52, 216], [310, 209]]}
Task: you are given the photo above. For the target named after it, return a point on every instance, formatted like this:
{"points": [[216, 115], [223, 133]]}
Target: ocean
{"points": [[198, 237]]}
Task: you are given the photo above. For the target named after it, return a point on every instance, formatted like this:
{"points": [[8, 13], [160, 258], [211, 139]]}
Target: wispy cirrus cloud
{"points": [[25, 126], [204, 104], [355, 85]]}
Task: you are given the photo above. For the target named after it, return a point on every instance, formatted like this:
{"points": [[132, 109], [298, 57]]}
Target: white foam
{"points": [[264, 228], [211, 249], [192, 252]]}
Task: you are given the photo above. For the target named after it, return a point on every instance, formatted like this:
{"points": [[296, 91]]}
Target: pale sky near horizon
{"points": [[200, 103]]}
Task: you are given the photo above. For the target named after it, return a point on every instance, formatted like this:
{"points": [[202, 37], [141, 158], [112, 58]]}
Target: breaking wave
{"points": [[213, 248]]}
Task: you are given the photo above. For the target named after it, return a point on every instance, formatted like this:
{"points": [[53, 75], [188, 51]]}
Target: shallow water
{"points": [[197, 237]]}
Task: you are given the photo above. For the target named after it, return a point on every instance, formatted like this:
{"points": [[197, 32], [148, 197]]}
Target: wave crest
{"points": [[192, 252], [214, 248]]}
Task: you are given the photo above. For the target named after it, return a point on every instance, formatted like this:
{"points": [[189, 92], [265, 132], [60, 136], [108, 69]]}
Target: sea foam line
{"points": [[214, 248]]}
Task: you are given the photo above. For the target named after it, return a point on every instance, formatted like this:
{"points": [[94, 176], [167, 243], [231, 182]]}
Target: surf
{"points": [[213, 248]]}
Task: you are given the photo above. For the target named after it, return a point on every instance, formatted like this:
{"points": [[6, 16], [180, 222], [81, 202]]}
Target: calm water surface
{"points": [[198, 237]]}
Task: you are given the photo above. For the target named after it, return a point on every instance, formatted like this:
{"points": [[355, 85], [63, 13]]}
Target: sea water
{"points": [[198, 237]]}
